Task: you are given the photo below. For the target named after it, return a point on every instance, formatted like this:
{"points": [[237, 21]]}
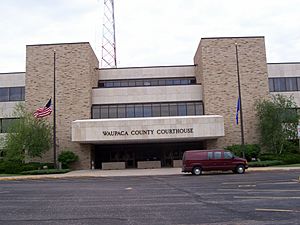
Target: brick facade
{"points": [[75, 77], [216, 70]]}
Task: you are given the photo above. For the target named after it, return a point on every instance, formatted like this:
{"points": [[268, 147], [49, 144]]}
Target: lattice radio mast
{"points": [[109, 36]]}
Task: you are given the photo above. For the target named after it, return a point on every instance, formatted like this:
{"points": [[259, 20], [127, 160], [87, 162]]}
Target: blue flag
{"points": [[237, 111]]}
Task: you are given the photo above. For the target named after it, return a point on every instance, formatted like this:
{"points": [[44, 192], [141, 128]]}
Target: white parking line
{"points": [[264, 197], [277, 210]]}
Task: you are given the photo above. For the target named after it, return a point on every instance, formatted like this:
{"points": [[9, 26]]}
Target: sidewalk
{"points": [[128, 172]]}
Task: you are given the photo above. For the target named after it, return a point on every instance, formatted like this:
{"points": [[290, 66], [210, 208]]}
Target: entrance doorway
{"points": [[132, 153]]}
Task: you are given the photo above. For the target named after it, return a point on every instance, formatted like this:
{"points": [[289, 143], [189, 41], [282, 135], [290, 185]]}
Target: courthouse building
{"points": [[139, 117]]}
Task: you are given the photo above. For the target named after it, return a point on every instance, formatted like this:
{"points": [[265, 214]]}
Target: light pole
{"points": [[240, 98], [54, 111]]}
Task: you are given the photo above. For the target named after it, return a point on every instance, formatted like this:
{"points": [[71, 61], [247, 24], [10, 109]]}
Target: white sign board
{"points": [[298, 128]]}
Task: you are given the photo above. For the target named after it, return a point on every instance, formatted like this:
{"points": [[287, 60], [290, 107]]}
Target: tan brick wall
{"points": [[75, 77], [217, 71]]}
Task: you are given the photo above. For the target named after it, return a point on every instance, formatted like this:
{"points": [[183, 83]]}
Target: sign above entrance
{"points": [[146, 132], [147, 129]]}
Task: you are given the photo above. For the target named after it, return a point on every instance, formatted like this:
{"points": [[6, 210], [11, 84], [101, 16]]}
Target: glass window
{"points": [[298, 83], [228, 155], [154, 82], [199, 108], [104, 112], [4, 95], [192, 81], [217, 155], [147, 83], [117, 84], [291, 83], [210, 155], [130, 111], [112, 111], [164, 109], [176, 82], [23, 93], [190, 109], [162, 82], [100, 84], [15, 93], [108, 84], [96, 112], [6, 123], [182, 109], [138, 110], [173, 109], [155, 110], [131, 83], [147, 110], [279, 84], [184, 82], [124, 83], [271, 84], [169, 82], [139, 83], [121, 111]]}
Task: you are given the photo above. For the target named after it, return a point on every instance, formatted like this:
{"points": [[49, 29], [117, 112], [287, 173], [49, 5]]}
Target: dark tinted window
{"points": [[130, 111], [145, 110], [156, 110], [15, 94], [104, 112], [121, 111], [210, 155], [4, 97], [138, 110], [291, 84]]}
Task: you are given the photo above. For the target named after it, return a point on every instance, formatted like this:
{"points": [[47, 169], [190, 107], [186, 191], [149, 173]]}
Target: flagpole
{"points": [[54, 111], [240, 98]]}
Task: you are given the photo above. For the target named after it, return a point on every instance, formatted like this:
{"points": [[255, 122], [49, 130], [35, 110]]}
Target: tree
{"points": [[27, 137], [278, 120]]}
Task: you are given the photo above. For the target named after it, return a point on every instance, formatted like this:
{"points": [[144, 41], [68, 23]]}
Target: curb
{"points": [[118, 173]]}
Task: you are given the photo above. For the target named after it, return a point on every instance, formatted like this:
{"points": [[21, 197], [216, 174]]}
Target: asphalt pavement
{"points": [[268, 197], [130, 172]]}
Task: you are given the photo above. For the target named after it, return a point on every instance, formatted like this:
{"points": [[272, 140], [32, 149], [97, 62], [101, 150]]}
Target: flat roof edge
{"points": [[11, 73], [233, 37], [70, 43], [140, 67], [285, 63]]}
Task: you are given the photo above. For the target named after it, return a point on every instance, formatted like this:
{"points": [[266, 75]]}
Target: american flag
{"points": [[44, 111]]}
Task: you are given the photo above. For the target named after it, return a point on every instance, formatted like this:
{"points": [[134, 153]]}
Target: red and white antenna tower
{"points": [[109, 58]]}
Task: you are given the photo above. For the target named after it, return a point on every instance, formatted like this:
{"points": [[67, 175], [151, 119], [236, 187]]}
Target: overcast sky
{"points": [[148, 32]]}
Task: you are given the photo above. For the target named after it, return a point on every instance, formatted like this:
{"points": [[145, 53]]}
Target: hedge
{"points": [[45, 171]]}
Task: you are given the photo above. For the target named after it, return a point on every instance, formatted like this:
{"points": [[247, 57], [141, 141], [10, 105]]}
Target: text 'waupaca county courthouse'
{"points": [[142, 117]]}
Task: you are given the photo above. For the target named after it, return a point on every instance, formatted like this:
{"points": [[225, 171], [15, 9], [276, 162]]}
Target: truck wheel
{"points": [[240, 169], [197, 171]]}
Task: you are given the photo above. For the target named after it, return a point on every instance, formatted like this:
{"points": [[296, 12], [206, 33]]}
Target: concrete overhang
{"points": [[146, 130]]}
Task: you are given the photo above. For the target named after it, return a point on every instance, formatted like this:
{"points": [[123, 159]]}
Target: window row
{"points": [[147, 82], [284, 84], [147, 110], [12, 94], [5, 123]]}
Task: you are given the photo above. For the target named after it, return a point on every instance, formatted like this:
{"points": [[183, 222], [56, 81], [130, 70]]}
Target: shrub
{"points": [[66, 158], [13, 167], [287, 158], [265, 163], [251, 150], [47, 171]]}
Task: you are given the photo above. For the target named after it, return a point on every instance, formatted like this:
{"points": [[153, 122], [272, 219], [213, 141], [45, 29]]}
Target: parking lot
{"points": [[252, 198]]}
